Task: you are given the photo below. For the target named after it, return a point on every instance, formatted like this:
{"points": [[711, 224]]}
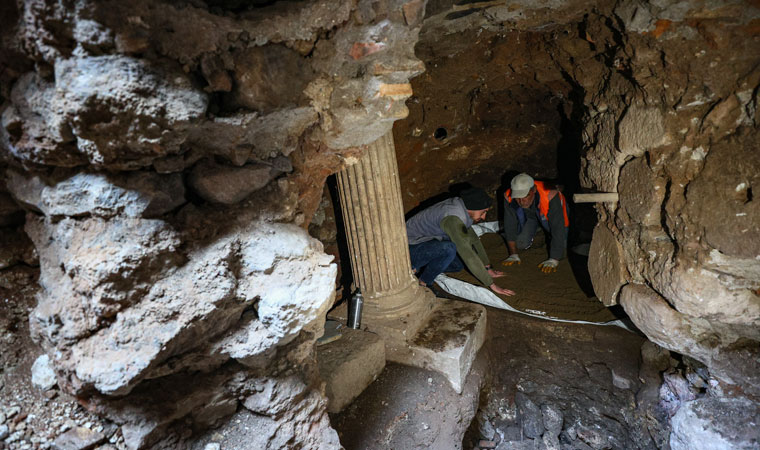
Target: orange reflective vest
{"points": [[543, 200]]}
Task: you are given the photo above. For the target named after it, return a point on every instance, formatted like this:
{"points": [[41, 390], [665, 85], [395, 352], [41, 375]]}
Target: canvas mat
{"points": [[554, 296]]}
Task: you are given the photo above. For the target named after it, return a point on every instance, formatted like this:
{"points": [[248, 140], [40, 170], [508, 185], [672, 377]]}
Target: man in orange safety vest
{"points": [[528, 204]]}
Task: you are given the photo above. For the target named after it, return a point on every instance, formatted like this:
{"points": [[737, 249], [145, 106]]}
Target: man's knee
{"points": [[524, 242], [448, 249]]}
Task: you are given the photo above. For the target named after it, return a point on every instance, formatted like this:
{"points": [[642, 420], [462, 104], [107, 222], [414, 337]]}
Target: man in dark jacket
{"points": [[531, 203], [441, 239]]}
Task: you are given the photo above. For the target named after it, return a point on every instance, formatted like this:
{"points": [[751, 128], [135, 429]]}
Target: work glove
{"points": [[550, 265], [513, 259]]}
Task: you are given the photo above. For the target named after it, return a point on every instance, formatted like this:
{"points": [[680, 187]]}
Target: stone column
{"points": [[370, 195], [416, 329]]}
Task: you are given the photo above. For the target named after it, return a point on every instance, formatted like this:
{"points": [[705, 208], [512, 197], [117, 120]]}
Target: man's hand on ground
{"points": [[550, 265], [514, 258], [501, 290], [495, 273]]}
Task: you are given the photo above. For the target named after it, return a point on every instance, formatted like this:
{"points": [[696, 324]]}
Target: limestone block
{"points": [[640, 129], [272, 395], [413, 12], [713, 294], [79, 438], [267, 135], [228, 185], [349, 365], [721, 200], [33, 128], [716, 423], [635, 16], [110, 111], [728, 356], [449, 340], [43, 375], [663, 324], [133, 194], [641, 193], [204, 298], [606, 265]]}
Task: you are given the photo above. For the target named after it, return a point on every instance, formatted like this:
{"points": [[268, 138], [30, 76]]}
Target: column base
{"points": [[435, 334]]}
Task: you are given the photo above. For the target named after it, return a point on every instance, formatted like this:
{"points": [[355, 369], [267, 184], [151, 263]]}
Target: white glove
{"points": [[513, 259], [550, 265]]}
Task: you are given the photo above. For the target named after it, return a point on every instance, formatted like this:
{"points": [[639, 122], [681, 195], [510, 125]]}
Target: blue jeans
{"points": [[434, 257]]}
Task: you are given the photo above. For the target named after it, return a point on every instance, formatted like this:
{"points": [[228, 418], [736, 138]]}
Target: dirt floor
{"points": [[565, 294], [410, 408], [31, 418], [587, 372]]}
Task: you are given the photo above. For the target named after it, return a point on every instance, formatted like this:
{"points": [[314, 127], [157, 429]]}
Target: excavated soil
{"points": [[562, 294], [31, 418]]}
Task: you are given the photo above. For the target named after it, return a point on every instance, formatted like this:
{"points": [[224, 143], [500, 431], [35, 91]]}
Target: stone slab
{"points": [[349, 364], [606, 265], [449, 340]]}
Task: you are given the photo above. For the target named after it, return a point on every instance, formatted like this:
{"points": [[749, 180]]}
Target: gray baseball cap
{"points": [[521, 185]]}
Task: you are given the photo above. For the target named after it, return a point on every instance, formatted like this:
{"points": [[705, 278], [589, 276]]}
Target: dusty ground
{"points": [[29, 417], [410, 408], [566, 365], [588, 372], [564, 294]]}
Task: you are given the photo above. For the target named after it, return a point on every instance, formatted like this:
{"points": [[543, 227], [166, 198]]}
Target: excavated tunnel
{"points": [[191, 192]]}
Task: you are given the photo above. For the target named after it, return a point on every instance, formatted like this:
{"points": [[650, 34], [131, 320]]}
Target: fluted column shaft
{"points": [[370, 195]]}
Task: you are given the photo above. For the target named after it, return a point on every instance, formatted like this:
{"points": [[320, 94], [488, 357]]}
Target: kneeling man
{"points": [[441, 239], [529, 204]]}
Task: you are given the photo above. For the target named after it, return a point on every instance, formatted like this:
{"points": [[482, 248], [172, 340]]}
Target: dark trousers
{"points": [[433, 257]]}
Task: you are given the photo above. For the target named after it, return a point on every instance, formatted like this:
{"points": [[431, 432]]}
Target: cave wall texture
{"points": [[165, 159], [169, 156]]}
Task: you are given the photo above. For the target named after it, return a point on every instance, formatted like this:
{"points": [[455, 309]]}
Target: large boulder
{"points": [[107, 111], [133, 194], [128, 316], [716, 424], [228, 185]]}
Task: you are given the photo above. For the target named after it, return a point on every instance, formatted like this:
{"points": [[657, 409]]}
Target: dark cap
{"points": [[475, 199]]}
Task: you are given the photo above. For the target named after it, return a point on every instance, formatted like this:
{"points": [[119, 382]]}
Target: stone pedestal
{"points": [[449, 341]]}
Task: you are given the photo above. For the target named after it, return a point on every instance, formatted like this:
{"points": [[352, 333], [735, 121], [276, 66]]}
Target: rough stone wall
{"points": [[169, 156], [671, 126]]}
